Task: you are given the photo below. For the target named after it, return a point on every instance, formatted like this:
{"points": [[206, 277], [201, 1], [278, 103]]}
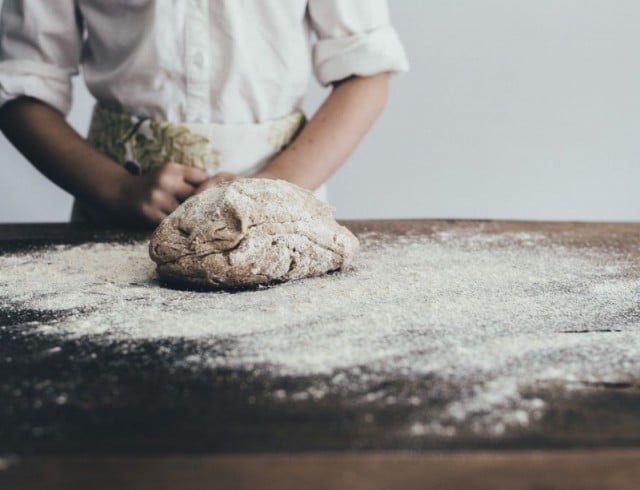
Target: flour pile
{"points": [[484, 316]]}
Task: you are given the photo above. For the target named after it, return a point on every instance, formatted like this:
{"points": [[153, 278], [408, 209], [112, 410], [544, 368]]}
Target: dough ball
{"points": [[250, 232]]}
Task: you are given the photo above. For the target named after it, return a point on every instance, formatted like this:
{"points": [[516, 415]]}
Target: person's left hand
{"points": [[218, 178]]}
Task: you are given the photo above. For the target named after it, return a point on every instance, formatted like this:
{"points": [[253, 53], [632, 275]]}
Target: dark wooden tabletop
{"points": [[141, 421]]}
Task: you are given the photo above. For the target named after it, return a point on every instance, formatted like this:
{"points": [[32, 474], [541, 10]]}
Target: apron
{"points": [[142, 145]]}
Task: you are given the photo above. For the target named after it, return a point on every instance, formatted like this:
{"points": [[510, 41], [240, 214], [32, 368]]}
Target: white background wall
{"points": [[513, 109]]}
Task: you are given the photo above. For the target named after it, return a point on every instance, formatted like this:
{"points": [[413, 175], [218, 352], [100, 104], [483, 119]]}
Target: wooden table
{"points": [[148, 426]]}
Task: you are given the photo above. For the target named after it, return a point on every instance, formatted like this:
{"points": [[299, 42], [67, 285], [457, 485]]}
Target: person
{"points": [[190, 93]]}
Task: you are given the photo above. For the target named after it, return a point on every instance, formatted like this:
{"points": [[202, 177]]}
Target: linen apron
{"points": [[142, 145]]}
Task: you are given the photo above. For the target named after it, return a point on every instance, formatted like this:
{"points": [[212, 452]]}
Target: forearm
{"points": [[43, 136], [332, 133]]}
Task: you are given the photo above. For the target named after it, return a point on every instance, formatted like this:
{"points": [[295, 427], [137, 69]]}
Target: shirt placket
{"points": [[197, 61]]}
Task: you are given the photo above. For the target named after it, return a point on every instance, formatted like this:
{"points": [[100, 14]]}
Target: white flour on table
{"points": [[489, 316]]}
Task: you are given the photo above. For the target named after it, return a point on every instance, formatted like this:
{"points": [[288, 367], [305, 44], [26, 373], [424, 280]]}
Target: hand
{"points": [[218, 178], [152, 197]]}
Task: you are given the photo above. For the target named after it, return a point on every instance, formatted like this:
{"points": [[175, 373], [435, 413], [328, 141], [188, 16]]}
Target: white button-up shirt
{"points": [[192, 61]]}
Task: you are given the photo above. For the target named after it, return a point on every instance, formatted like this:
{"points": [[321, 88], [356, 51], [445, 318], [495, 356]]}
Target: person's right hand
{"points": [[152, 197]]}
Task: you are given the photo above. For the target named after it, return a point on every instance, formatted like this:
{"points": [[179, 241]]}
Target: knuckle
{"points": [[164, 179], [156, 195]]}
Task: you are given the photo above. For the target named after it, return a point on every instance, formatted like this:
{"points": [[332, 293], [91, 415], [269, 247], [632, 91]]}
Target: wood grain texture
{"points": [[611, 469], [77, 456]]}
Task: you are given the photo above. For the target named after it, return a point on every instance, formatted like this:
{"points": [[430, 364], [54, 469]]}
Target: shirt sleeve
{"points": [[355, 37], [40, 49]]}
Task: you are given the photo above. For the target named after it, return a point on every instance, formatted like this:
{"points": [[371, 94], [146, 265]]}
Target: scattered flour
{"points": [[483, 316]]}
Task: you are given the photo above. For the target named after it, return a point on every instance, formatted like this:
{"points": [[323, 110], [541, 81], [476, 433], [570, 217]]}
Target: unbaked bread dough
{"points": [[250, 232]]}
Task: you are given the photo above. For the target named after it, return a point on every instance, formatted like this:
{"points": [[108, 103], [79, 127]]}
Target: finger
{"points": [[157, 217], [204, 186], [153, 216], [166, 178], [225, 177], [194, 176], [168, 204], [218, 178], [173, 183], [163, 201], [183, 191]]}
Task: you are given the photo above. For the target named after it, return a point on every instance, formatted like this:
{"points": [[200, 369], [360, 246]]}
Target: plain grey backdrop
{"points": [[513, 109]]}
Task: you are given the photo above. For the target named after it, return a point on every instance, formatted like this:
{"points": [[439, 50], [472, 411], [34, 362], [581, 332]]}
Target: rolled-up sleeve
{"points": [[355, 37], [40, 50]]}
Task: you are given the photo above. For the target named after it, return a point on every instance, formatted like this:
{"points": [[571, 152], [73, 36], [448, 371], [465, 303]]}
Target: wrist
{"points": [[266, 173], [282, 167], [113, 188]]}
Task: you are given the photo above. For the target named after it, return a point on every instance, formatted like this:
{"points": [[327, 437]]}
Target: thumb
{"points": [[194, 176]]}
